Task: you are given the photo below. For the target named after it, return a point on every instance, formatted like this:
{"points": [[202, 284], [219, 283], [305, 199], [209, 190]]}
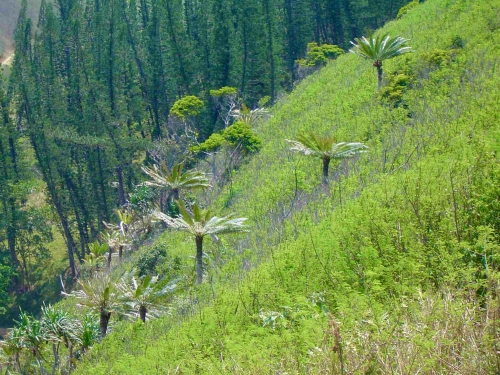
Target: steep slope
{"points": [[396, 245]]}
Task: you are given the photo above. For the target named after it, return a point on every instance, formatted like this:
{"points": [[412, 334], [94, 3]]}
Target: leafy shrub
{"points": [[395, 88], [240, 134], [406, 8], [457, 42], [319, 55], [189, 105], [156, 261], [437, 57], [7, 275], [213, 142], [224, 91], [150, 259]]}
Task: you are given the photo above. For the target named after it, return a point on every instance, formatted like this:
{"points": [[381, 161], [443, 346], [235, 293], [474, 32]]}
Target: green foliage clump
{"points": [[264, 101], [156, 260], [224, 91], [240, 134], [189, 105], [396, 86], [437, 57], [318, 55], [150, 259], [457, 42], [214, 142], [406, 8], [7, 274]]}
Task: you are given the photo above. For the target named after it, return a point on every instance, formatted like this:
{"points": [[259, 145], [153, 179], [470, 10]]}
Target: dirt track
{"points": [[8, 60]]}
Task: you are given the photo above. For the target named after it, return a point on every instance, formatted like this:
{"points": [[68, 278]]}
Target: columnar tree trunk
{"points": [[175, 193], [121, 189], [103, 322], [378, 64], [326, 165], [108, 265], [142, 313], [55, 353], [199, 259]]}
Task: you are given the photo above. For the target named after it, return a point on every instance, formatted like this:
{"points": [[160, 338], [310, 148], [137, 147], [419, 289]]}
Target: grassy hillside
{"points": [[392, 269]]}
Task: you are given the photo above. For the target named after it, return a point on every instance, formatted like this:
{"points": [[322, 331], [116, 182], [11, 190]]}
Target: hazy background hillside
{"points": [[9, 10]]}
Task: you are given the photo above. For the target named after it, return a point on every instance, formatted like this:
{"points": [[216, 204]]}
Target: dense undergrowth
{"points": [[392, 268]]}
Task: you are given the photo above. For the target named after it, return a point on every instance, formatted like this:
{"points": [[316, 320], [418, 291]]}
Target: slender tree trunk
{"points": [[55, 352], [378, 65], [102, 184], [18, 363], [103, 322], [71, 357], [326, 165], [120, 252], [108, 265], [142, 313], [199, 259], [121, 188]]}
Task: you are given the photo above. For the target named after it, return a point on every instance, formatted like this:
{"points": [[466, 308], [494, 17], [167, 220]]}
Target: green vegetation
{"points": [[187, 106], [394, 268], [201, 223], [237, 136], [319, 55], [384, 267], [174, 181], [99, 294], [142, 294], [380, 48], [94, 92], [325, 148]]}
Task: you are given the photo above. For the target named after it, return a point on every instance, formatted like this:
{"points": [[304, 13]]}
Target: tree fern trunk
{"points": [[326, 165], [142, 313], [379, 75], [103, 322], [199, 259]]}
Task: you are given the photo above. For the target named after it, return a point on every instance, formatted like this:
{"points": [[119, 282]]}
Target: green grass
{"points": [[394, 249]]}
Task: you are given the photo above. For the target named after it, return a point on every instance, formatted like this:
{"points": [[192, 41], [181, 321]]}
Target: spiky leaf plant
{"points": [[326, 148], [143, 295], [176, 180], [248, 116], [99, 294], [60, 328], [380, 48], [201, 223]]}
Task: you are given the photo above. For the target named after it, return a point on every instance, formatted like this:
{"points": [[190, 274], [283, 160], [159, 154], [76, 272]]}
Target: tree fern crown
{"points": [[201, 222], [380, 48], [325, 147]]}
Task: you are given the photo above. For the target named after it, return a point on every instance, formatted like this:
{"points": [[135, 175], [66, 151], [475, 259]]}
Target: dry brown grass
{"points": [[447, 334]]}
